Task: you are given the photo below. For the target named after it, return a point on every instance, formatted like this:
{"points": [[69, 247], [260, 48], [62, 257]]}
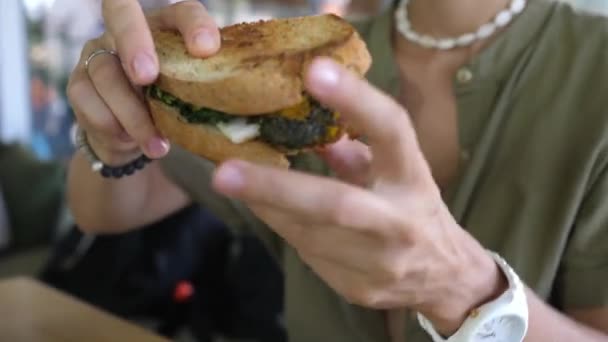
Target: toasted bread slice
{"points": [[260, 65], [208, 142]]}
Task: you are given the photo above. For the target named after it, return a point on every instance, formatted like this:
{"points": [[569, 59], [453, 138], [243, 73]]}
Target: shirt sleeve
{"points": [[193, 175], [582, 281]]}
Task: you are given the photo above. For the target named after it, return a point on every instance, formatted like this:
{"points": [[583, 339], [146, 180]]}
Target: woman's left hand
{"points": [[381, 235]]}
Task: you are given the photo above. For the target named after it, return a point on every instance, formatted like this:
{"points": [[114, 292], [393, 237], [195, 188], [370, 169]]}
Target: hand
{"points": [[107, 100], [382, 236]]}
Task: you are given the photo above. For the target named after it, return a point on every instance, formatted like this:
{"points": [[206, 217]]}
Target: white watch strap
{"points": [[514, 297]]}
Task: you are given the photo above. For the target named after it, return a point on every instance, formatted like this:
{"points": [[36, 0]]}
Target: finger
{"points": [[198, 28], [351, 249], [317, 243], [357, 286], [126, 22], [303, 195], [350, 160], [283, 223], [353, 285], [93, 114], [378, 117], [114, 88], [330, 267]]}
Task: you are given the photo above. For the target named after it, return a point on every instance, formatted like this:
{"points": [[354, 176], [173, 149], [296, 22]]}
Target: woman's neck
{"points": [[451, 18], [447, 18]]}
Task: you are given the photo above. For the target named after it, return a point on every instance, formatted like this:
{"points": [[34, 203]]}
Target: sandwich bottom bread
{"points": [[248, 100]]}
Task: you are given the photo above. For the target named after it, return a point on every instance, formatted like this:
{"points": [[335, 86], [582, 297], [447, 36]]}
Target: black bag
{"points": [[186, 271]]}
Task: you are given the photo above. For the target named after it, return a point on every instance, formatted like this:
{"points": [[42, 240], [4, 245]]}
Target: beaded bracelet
{"points": [[98, 166]]}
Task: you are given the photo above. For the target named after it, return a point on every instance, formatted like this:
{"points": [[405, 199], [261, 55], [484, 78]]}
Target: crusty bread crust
{"points": [[209, 142], [260, 66]]}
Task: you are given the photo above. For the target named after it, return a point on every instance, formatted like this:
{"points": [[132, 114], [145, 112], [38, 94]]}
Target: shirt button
{"points": [[464, 76]]}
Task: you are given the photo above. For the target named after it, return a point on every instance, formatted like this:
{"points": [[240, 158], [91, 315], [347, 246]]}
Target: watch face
{"points": [[501, 329]]}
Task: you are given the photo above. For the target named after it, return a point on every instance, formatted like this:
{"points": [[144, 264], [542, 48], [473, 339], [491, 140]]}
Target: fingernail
{"points": [[144, 66], [205, 41], [324, 73], [229, 178], [157, 147]]}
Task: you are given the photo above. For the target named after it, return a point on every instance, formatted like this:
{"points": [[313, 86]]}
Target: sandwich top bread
{"points": [[248, 100]]}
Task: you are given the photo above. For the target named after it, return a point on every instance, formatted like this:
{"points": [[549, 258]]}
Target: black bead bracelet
{"points": [[104, 170], [125, 170]]}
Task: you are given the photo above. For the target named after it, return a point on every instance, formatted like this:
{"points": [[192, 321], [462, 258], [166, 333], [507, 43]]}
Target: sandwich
{"points": [[248, 100]]}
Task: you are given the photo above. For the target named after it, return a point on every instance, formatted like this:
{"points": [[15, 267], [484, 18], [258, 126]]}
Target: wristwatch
{"points": [[504, 319]]}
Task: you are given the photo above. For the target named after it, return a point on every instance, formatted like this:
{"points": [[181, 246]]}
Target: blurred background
{"points": [[40, 43]]}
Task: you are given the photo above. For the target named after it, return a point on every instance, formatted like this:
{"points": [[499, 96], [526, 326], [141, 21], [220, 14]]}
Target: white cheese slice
{"points": [[239, 130]]}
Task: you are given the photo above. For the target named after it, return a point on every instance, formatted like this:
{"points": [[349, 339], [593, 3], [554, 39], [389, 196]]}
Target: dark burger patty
{"points": [[316, 129]]}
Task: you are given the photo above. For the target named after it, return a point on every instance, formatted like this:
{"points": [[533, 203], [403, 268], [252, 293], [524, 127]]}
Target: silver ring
{"points": [[97, 53]]}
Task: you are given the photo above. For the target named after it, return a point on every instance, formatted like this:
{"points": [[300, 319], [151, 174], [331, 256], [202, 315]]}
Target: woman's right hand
{"points": [[107, 98]]}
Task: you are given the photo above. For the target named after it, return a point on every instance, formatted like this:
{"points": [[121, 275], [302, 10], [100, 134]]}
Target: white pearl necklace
{"points": [[502, 19]]}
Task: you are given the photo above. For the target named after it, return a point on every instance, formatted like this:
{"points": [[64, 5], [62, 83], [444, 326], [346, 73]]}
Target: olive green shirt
{"points": [[533, 124]]}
